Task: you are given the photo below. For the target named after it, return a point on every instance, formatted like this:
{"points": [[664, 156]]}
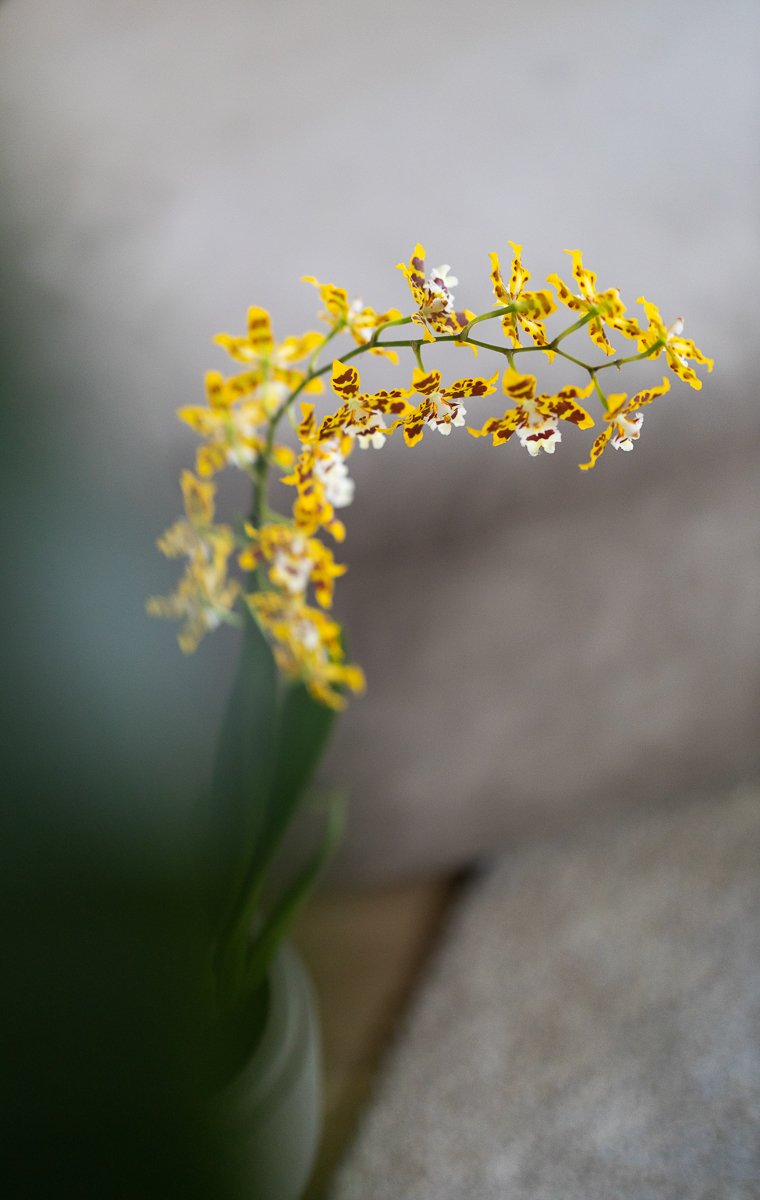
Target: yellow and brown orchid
{"points": [[205, 596], [677, 349], [306, 645], [441, 408], [623, 421], [435, 302], [362, 414], [603, 308], [534, 418], [360, 320], [534, 307], [296, 560]]}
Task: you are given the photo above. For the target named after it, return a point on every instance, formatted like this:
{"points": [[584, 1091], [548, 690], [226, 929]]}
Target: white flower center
{"points": [[293, 567], [441, 276], [332, 473], [675, 329]]}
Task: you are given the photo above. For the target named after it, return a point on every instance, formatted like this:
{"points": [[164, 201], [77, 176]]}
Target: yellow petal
{"points": [[260, 331], [564, 405], [519, 275], [426, 382], [586, 279], [646, 397], [682, 370], [598, 336], [469, 387], [597, 448], [686, 349], [199, 498], [293, 349], [565, 295], [501, 293], [345, 380], [519, 387], [509, 325]]}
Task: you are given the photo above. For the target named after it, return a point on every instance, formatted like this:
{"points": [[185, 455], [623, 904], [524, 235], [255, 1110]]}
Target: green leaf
{"points": [[279, 921], [244, 767], [303, 732]]}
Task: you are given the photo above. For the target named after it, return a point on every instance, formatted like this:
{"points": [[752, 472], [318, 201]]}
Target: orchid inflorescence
{"points": [[285, 556]]}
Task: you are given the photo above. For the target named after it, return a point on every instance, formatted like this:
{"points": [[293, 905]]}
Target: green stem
{"points": [[619, 362], [599, 391], [328, 338], [486, 316], [417, 354], [385, 325], [584, 320]]}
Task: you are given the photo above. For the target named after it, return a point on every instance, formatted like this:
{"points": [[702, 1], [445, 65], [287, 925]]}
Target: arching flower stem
{"points": [[259, 471]]}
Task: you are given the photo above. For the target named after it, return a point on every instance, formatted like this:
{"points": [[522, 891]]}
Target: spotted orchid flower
{"points": [[306, 645], [534, 418], [205, 596], [362, 414], [331, 471], [312, 509], [234, 429], [273, 361], [677, 349], [534, 306], [361, 321], [435, 303], [197, 533], [624, 421], [441, 408], [294, 560], [606, 307]]}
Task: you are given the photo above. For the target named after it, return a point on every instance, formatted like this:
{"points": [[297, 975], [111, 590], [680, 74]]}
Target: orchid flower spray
{"points": [[294, 673]]}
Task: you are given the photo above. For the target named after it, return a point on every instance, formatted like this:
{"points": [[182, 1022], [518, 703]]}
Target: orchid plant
{"points": [[294, 675]]}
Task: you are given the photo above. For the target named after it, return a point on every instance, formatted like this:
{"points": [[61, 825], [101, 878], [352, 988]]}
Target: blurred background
{"points": [[541, 644]]}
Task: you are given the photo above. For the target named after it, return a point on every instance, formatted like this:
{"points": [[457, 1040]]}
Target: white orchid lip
{"points": [[627, 431], [543, 436], [293, 567], [446, 414], [332, 472], [440, 276], [438, 299]]}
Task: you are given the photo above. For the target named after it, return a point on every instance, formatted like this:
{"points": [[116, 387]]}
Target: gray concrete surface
{"points": [[590, 1026]]}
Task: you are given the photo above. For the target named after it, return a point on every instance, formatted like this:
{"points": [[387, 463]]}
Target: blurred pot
{"points": [[271, 1112]]}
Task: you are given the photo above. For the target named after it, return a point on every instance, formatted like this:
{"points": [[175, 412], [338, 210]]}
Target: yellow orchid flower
{"points": [[296, 560], [360, 321], [441, 408], [362, 415], [534, 418], [306, 646], [435, 303], [198, 532], [319, 491], [204, 596], [607, 307], [274, 361], [235, 429], [533, 305], [677, 349], [623, 421]]}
